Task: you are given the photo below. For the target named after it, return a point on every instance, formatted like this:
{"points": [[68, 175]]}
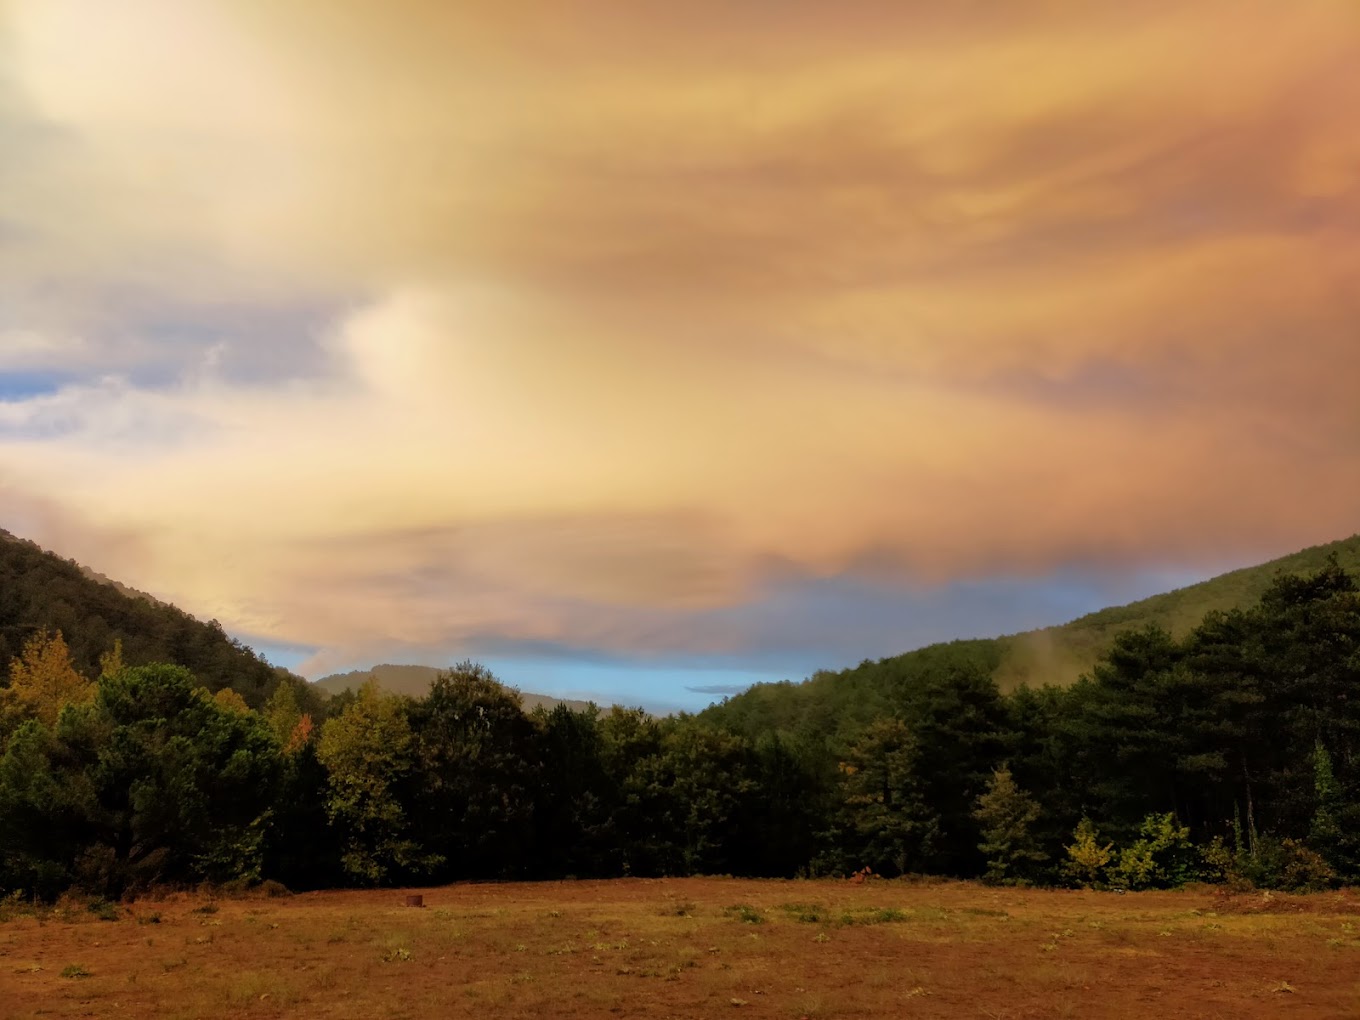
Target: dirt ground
{"points": [[691, 948]]}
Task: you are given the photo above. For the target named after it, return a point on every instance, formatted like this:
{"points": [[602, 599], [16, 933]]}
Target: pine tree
{"points": [[885, 822], [1006, 815]]}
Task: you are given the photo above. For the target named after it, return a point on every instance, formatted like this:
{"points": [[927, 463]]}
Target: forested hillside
{"points": [[1059, 655], [1051, 656], [43, 592], [1230, 753]]}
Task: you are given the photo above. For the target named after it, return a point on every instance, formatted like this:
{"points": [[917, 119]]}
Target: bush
{"points": [[104, 910], [1086, 858], [1161, 858], [1271, 863]]}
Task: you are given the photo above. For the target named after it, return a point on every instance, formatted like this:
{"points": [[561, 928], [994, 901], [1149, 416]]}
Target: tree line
{"points": [[1229, 754]]}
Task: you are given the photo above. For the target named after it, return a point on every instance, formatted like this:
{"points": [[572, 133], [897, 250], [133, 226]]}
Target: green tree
{"points": [[156, 781], [629, 739], [575, 800], [474, 751], [1325, 833], [960, 725], [695, 798], [1006, 815], [884, 822], [1162, 856], [39, 825], [367, 752]]}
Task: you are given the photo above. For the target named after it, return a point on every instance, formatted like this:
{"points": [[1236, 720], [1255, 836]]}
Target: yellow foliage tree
{"points": [[111, 662], [1086, 858], [43, 680], [282, 713], [231, 701]]}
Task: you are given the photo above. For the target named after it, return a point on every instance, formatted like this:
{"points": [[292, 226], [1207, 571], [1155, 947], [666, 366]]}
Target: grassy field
{"points": [[690, 948]]}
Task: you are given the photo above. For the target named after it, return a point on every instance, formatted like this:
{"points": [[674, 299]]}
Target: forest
{"points": [[1230, 754]]}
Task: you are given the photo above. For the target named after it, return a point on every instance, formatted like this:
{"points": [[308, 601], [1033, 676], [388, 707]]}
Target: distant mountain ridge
{"points": [[415, 681]]}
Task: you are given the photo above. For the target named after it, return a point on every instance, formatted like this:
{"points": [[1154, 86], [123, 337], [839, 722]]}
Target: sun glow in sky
{"points": [[644, 350]]}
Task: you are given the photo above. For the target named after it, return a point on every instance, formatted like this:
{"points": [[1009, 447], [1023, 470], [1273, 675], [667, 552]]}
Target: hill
{"points": [[40, 590], [1056, 655], [1059, 655], [414, 681]]}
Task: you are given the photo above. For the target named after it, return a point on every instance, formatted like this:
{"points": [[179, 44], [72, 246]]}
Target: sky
{"points": [[644, 351]]}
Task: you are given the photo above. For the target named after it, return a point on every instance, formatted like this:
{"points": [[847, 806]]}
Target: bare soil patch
{"points": [[692, 948]]}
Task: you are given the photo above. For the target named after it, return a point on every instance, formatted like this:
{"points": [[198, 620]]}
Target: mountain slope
{"points": [[39, 590], [415, 681], [1059, 655], [1053, 655]]}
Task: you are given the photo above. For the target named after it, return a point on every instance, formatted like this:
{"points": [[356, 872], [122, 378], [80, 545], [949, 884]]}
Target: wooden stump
{"points": [[415, 901]]}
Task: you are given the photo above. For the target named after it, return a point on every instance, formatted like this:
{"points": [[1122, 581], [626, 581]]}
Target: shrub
{"points": [[1086, 858], [1304, 870], [104, 910], [1162, 857], [745, 913], [1269, 864]]}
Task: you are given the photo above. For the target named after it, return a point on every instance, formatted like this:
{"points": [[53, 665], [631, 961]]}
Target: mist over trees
{"points": [[1229, 754]]}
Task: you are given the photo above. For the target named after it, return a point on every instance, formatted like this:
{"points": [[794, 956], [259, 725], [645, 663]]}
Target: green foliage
{"points": [[1053, 655], [474, 764], [367, 752], [1006, 815], [1161, 858], [37, 816], [104, 909], [43, 592], [884, 822], [1268, 863], [688, 806], [1243, 731], [1325, 835], [152, 781]]}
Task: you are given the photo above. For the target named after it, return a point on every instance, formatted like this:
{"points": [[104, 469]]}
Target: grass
{"points": [[691, 948], [745, 913], [104, 910]]}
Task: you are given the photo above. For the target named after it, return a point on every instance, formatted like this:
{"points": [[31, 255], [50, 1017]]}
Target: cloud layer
{"points": [[417, 325]]}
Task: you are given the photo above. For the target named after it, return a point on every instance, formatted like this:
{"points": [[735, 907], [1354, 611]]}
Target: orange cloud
{"points": [[642, 306]]}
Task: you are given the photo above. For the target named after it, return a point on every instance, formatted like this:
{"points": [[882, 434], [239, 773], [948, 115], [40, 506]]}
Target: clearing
{"points": [[701, 947]]}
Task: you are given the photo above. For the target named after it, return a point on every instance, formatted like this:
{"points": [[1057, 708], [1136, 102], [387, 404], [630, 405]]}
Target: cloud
{"points": [[32, 350], [427, 324]]}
